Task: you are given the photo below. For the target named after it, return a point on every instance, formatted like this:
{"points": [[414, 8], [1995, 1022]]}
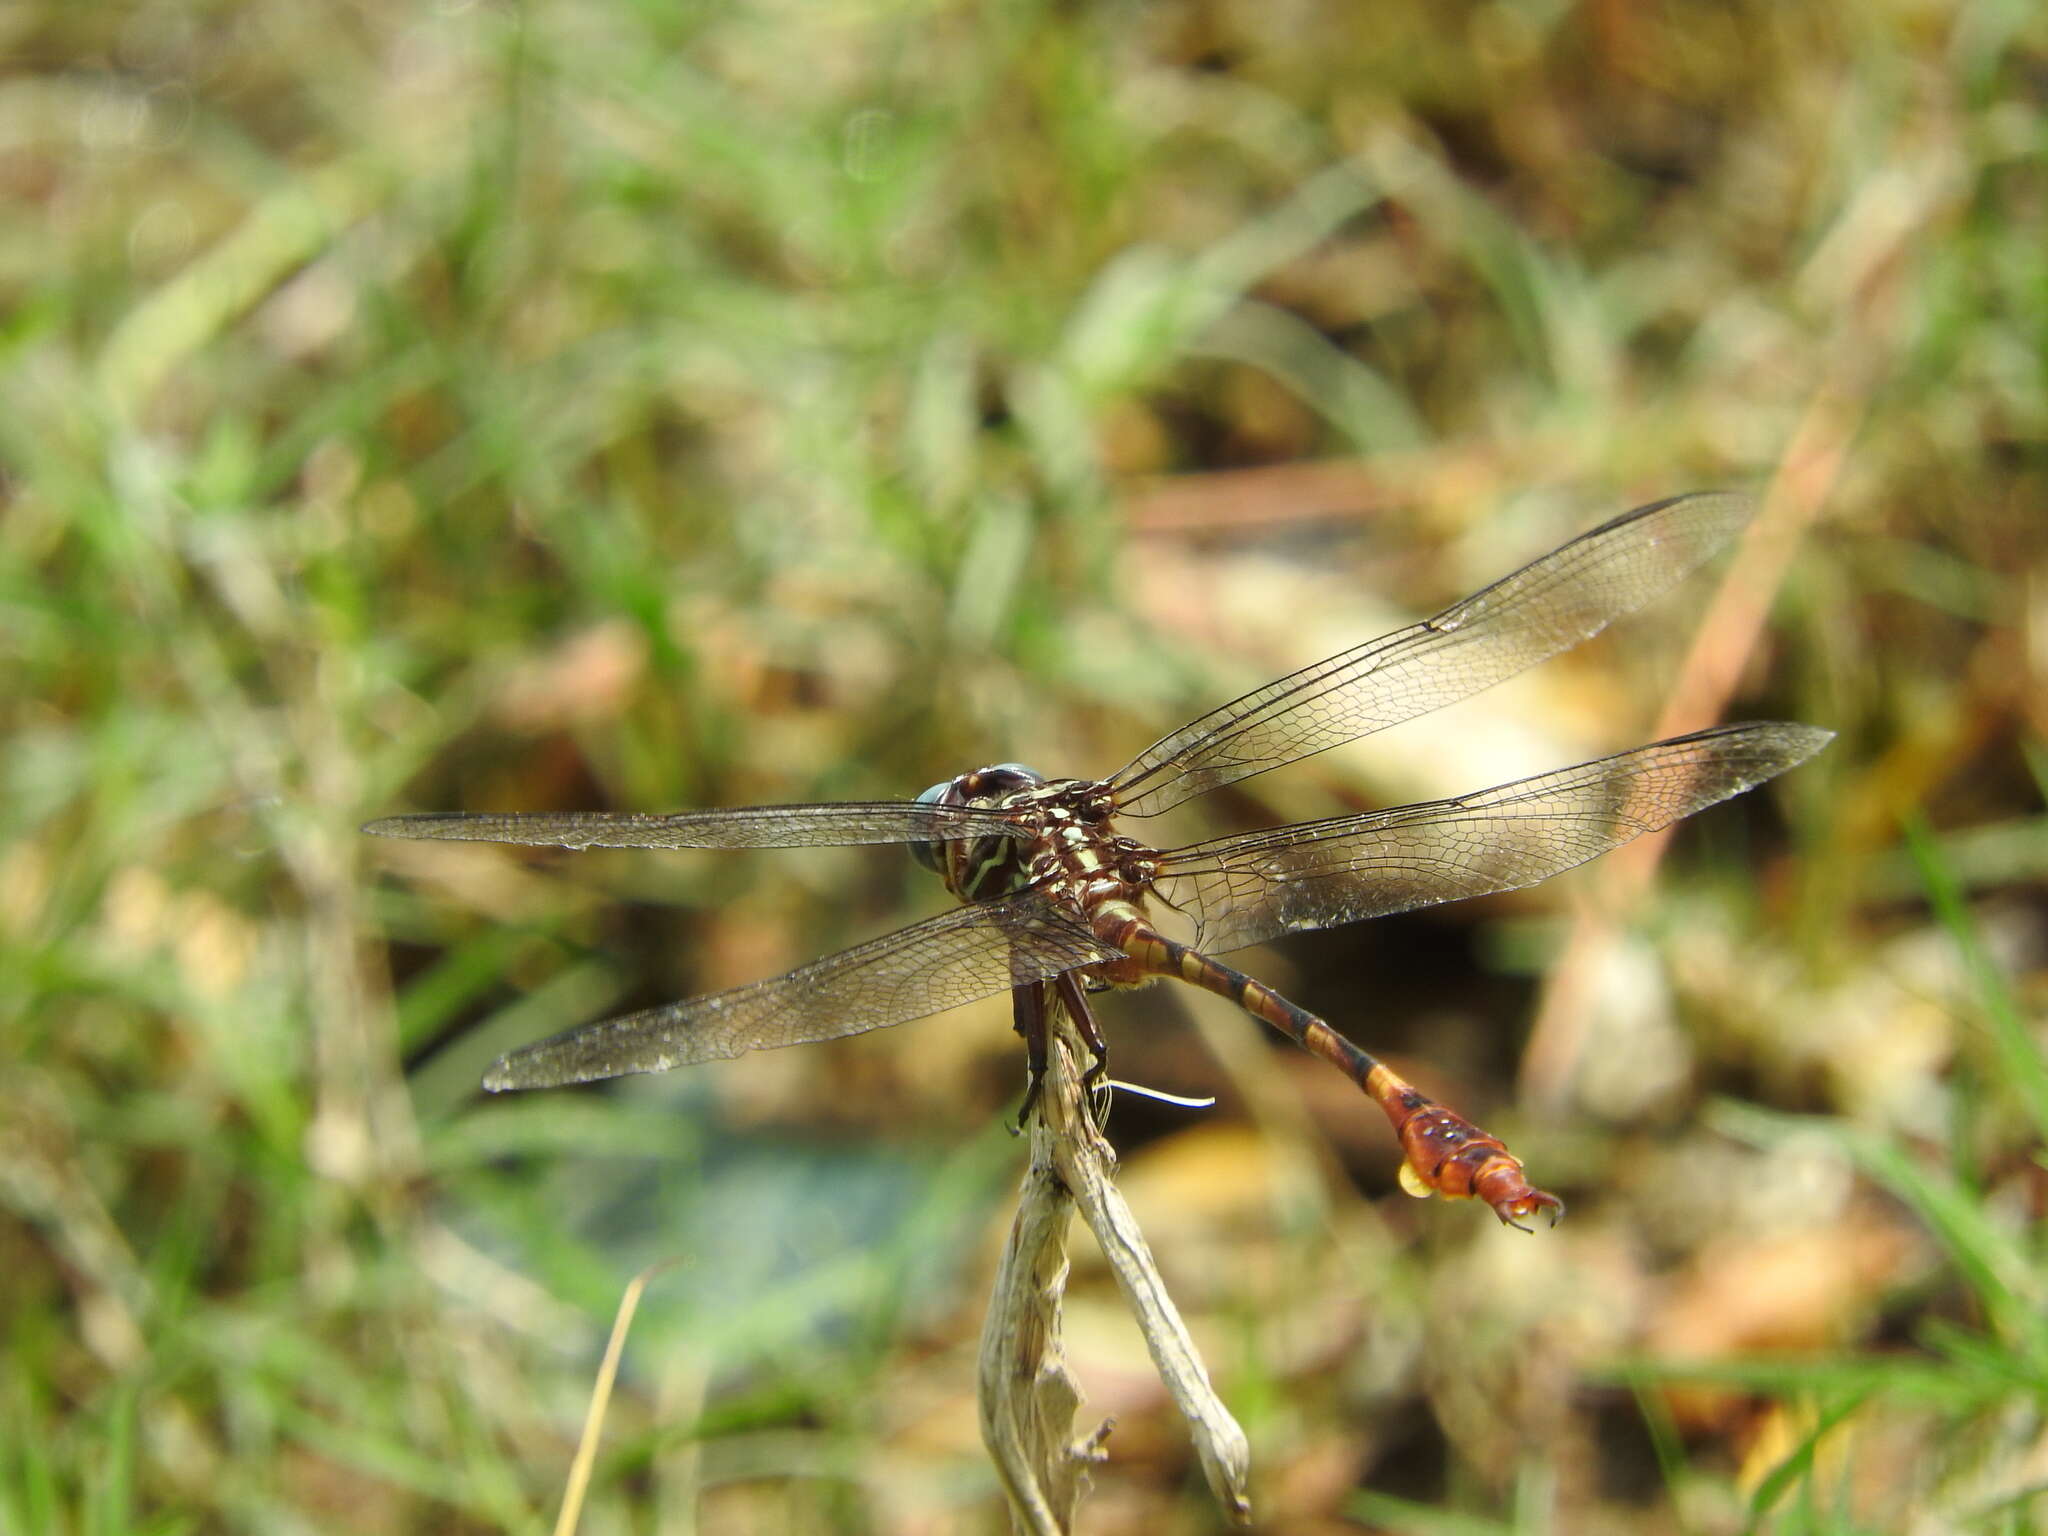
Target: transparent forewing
{"points": [[1250, 888], [754, 826], [945, 961], [1569, 595]]}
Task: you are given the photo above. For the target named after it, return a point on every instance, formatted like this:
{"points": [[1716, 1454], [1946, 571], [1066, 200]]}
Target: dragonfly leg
{"points": [[1442, 1152], [1027, 1006], [1076, 1000]]}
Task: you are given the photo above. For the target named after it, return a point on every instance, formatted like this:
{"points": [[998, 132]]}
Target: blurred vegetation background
{"points": [[496, 405]]}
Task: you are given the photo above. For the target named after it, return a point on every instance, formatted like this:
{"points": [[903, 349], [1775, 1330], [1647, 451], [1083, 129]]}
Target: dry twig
{"points": [[1027, 1395]]}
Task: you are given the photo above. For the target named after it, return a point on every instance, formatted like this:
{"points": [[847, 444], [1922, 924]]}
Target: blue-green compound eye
{"points": [[928, 854]]}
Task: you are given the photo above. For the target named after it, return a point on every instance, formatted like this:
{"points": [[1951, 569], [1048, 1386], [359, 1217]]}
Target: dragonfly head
{"points": [[978, 868]]}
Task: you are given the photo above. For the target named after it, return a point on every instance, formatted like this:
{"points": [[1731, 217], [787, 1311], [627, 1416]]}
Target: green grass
{"points": [[558, 405]]}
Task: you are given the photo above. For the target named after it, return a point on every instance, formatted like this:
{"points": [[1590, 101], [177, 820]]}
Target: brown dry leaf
{"points": [[1209, 1176], [1797, 1291], [1317, 1478], [590, 676]]}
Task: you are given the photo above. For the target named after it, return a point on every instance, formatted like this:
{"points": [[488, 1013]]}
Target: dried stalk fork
{"points": [[1027, 1396]]}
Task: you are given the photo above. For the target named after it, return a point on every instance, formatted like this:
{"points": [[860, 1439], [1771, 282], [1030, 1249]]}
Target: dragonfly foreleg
{"points": [[1442, 1152], [1028, 1005]]}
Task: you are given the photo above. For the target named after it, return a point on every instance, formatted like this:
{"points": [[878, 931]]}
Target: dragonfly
{"points": [[1057, 898]]}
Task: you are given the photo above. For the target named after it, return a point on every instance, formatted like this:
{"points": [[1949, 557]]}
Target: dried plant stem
{"points": [[1027, 1395], [1729, 632], [600, 1401]]}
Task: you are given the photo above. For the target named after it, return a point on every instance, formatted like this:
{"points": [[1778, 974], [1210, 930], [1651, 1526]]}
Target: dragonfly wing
{"points": [[754, 826], [1553, 603], [954, 958], [1256, 886]]}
